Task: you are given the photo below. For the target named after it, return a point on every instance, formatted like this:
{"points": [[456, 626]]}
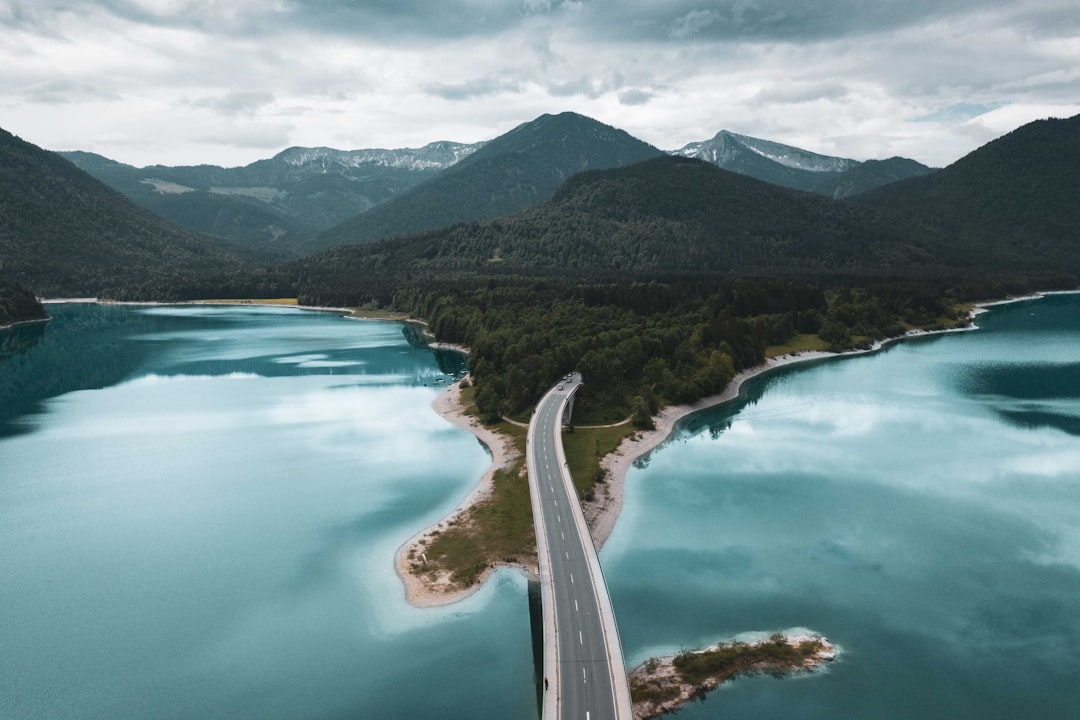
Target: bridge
{"points": [[585, 676]]}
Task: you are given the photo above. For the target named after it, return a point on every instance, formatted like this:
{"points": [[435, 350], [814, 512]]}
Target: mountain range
{"points": [[1008, 207], [275, 202], [306, 199], [515, 170]]}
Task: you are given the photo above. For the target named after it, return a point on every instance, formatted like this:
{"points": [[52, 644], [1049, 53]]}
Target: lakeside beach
{"points": [[422, 591]]}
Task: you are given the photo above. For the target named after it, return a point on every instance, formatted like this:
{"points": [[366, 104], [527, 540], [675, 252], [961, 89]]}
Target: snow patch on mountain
{"points": [[433, 156]]}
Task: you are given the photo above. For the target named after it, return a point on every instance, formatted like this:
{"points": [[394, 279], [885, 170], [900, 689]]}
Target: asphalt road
{"points": [[584, 684]]}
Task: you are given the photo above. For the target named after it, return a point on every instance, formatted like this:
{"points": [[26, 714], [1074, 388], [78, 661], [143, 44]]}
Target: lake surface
{"points": [[199, 509], [920, 507]]}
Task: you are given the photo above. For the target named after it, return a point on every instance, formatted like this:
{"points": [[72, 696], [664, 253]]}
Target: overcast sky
{"points": [[198, 81]]}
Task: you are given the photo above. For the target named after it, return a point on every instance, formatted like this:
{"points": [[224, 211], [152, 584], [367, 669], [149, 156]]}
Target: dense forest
{"points": [[17, 304], [640, 346]]}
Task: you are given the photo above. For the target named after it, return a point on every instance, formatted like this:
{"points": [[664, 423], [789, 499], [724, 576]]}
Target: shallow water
{"points": [[920, 507], [199, 509]]}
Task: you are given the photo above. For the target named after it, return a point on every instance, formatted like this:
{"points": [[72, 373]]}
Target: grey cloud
{"points": [[237, 102], [477, 87], [254, 135], [693, 22], [586, 86], [402, 19], [63, 91], [795, 93], [634, 96], [768, 20]]}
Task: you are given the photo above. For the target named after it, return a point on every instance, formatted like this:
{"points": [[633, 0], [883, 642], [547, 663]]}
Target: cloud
{"points": [[957, 112], [795, 93], [170, 81], [255, 135], [586, 86], [65, 91], [635, 96], [469, 89], [235, 102], [693, 23]]}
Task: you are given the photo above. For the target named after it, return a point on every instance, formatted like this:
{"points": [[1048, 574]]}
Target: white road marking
{"points": [[576, 608], [567, 554], [571, 578], [581, 641]]}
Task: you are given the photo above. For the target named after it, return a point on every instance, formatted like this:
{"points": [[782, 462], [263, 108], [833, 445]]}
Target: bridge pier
{"points": [[568, 411]]}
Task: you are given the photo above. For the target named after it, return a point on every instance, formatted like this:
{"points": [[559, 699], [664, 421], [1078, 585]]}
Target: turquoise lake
{"points": [[199, 509], [920, 507]]}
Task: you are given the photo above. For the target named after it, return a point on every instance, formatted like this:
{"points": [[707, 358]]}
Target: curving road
{"points": [[583, 660]]}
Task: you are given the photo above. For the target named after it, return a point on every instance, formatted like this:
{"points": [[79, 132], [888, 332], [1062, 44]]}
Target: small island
{"points": [[663, 685]]}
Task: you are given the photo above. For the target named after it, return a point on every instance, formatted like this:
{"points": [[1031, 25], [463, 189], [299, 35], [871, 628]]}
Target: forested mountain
{"points": [[1014, 202], [63, 232], [511, 172], [661, 279], [799, 169], [295, 194], [664, 215]]}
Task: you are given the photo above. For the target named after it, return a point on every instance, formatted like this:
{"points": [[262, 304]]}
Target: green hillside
{"points": [[1012, 204], [64, 233], [668, 215]]}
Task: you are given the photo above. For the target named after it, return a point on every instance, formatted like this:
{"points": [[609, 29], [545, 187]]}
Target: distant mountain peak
{"points": [[796, 168], [517, 169], [725, 145]]}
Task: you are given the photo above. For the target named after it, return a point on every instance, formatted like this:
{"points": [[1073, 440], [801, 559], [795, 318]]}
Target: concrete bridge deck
{"points": [[583, 660]]}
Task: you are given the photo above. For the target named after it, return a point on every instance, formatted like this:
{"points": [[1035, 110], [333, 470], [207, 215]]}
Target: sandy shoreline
{"points": [[17, 323], [422, 592]]}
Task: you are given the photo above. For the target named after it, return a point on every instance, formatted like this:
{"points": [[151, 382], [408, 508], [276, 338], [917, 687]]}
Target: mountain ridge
{"points": [[792, 167], [276, 201]]}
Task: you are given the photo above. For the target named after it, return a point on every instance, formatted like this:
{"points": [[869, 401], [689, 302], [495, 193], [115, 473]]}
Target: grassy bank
{"points": [[585, 448]]}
